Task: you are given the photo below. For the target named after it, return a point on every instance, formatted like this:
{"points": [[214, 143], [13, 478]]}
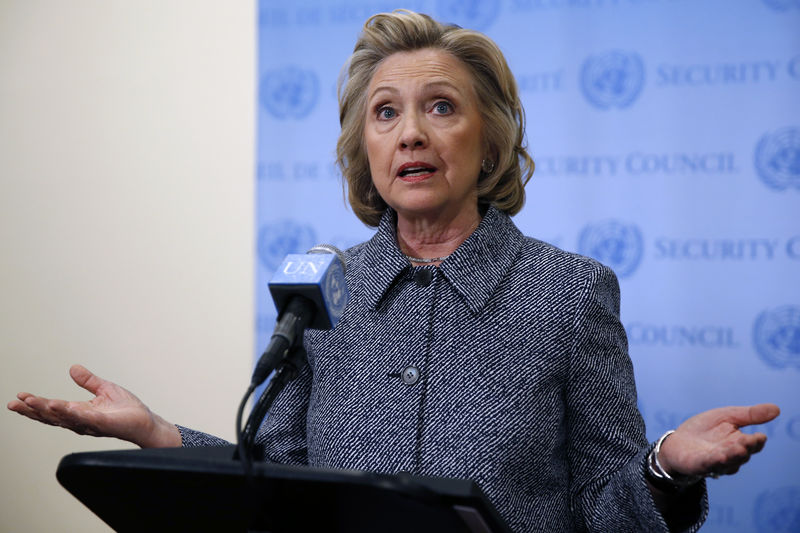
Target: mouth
{"points": [[415, 171]]}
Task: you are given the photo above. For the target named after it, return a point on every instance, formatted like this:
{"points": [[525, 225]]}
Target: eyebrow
{"points": [[441, 84]]}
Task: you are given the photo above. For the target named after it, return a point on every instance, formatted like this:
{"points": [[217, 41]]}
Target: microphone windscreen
{"points": [[318, 276]]}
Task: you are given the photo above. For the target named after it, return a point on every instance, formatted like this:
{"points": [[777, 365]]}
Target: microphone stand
{"points": [[285, 355], [286, 371]]}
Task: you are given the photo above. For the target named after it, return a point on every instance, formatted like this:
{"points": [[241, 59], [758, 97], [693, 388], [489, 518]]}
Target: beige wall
{"points": [[126, 213]]}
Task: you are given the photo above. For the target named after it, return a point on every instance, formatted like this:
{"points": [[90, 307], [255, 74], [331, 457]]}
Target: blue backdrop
{"points": [[666, 135]]}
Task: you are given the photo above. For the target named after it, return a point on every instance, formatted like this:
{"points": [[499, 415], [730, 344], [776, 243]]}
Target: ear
{"points": [[490, 151]]}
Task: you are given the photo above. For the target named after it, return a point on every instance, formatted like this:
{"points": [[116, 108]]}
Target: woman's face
{"points": [[423, 134]]}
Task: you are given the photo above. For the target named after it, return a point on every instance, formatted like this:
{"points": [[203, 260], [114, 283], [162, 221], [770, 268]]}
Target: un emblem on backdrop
{"points": [[289, 92], [613, 79], [778, 510], [777, 159], [782, 5], [613, 243], [472, 14], [277, 239], [776, 335]]}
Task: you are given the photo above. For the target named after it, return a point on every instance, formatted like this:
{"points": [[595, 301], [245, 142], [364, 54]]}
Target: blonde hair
{"points": [[500, 107]]}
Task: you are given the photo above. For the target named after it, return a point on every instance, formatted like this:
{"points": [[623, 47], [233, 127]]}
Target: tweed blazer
{"points": [[506, 365]]}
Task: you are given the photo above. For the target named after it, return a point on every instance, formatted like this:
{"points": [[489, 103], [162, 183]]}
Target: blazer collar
{"points": [[474, 270]]}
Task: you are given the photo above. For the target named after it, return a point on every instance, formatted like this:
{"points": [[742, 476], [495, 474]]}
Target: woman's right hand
{"points": [[113, 412]]}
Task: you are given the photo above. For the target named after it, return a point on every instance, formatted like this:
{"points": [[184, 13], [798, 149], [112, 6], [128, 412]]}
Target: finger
{"points": [[71, 416], [747, 415], [731, 456], [764, 412], [85, 379], [27, 412], [733, 464], [55, 413], [84, 419], [20, 407], [68, 415], [31, 408], [727, 470], [36, 402], [71, 413], [756, 444], [17, 404], [43, 408], [749, 439]]}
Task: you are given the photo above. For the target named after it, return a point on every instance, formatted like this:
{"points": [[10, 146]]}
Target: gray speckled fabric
{"points": [[524, 384]]}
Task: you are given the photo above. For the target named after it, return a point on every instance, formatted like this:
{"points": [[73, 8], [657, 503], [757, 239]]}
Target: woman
{"points": [[467, 350]]}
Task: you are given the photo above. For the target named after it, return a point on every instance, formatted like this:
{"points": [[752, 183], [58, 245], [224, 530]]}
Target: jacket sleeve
{"points": [[192, 437], [607, 447]]}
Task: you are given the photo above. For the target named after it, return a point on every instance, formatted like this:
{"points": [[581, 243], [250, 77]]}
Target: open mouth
{"points": [[414, 171]]}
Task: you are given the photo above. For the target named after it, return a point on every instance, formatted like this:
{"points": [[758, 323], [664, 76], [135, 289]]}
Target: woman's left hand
{"points": [[710, 443]]}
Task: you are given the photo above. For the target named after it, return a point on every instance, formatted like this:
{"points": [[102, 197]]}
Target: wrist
{"points": [[661, 478], [162, 434]]}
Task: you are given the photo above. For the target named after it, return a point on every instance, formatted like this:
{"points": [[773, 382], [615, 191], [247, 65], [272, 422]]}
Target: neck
{"points": [[427, 238]]}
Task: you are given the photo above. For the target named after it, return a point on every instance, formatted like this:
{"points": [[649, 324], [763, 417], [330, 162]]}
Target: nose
{"points": [[413, 135]]}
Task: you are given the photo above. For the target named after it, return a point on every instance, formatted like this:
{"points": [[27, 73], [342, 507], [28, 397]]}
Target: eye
{"points": [[442, 107], [386, 113]]}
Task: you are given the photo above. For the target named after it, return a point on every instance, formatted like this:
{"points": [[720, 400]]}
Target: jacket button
{"points": [[410, 375]]}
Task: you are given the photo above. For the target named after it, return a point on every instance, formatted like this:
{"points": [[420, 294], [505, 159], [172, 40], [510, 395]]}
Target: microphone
{"points": [[309, 291]]}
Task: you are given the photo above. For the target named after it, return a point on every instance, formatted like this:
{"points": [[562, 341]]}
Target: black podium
{"points": [[205, 489]]}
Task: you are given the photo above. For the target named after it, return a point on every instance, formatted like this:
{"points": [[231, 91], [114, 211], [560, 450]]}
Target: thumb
{"points": [[85, 379], [752, 414]]}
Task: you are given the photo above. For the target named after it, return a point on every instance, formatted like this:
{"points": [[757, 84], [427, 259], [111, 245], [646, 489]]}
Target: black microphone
{"points": [[309, 291]]}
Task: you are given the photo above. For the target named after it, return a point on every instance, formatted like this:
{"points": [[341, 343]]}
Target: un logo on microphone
{"points": [[777, 159], [782, 5], [613, 243], [776, 335], [336, 290], [277, 239], [613, 79], [778, 510], [289, 92], [472, 14]]}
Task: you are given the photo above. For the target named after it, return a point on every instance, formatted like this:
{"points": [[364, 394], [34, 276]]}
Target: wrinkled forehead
{"points": [[425, 67]]}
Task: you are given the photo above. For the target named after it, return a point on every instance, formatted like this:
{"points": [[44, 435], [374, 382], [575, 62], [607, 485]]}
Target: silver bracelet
{"points": [[656, 471]]}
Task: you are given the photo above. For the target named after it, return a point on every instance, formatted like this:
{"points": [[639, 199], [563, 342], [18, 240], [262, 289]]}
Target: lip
{"points": [[418, 177]]}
